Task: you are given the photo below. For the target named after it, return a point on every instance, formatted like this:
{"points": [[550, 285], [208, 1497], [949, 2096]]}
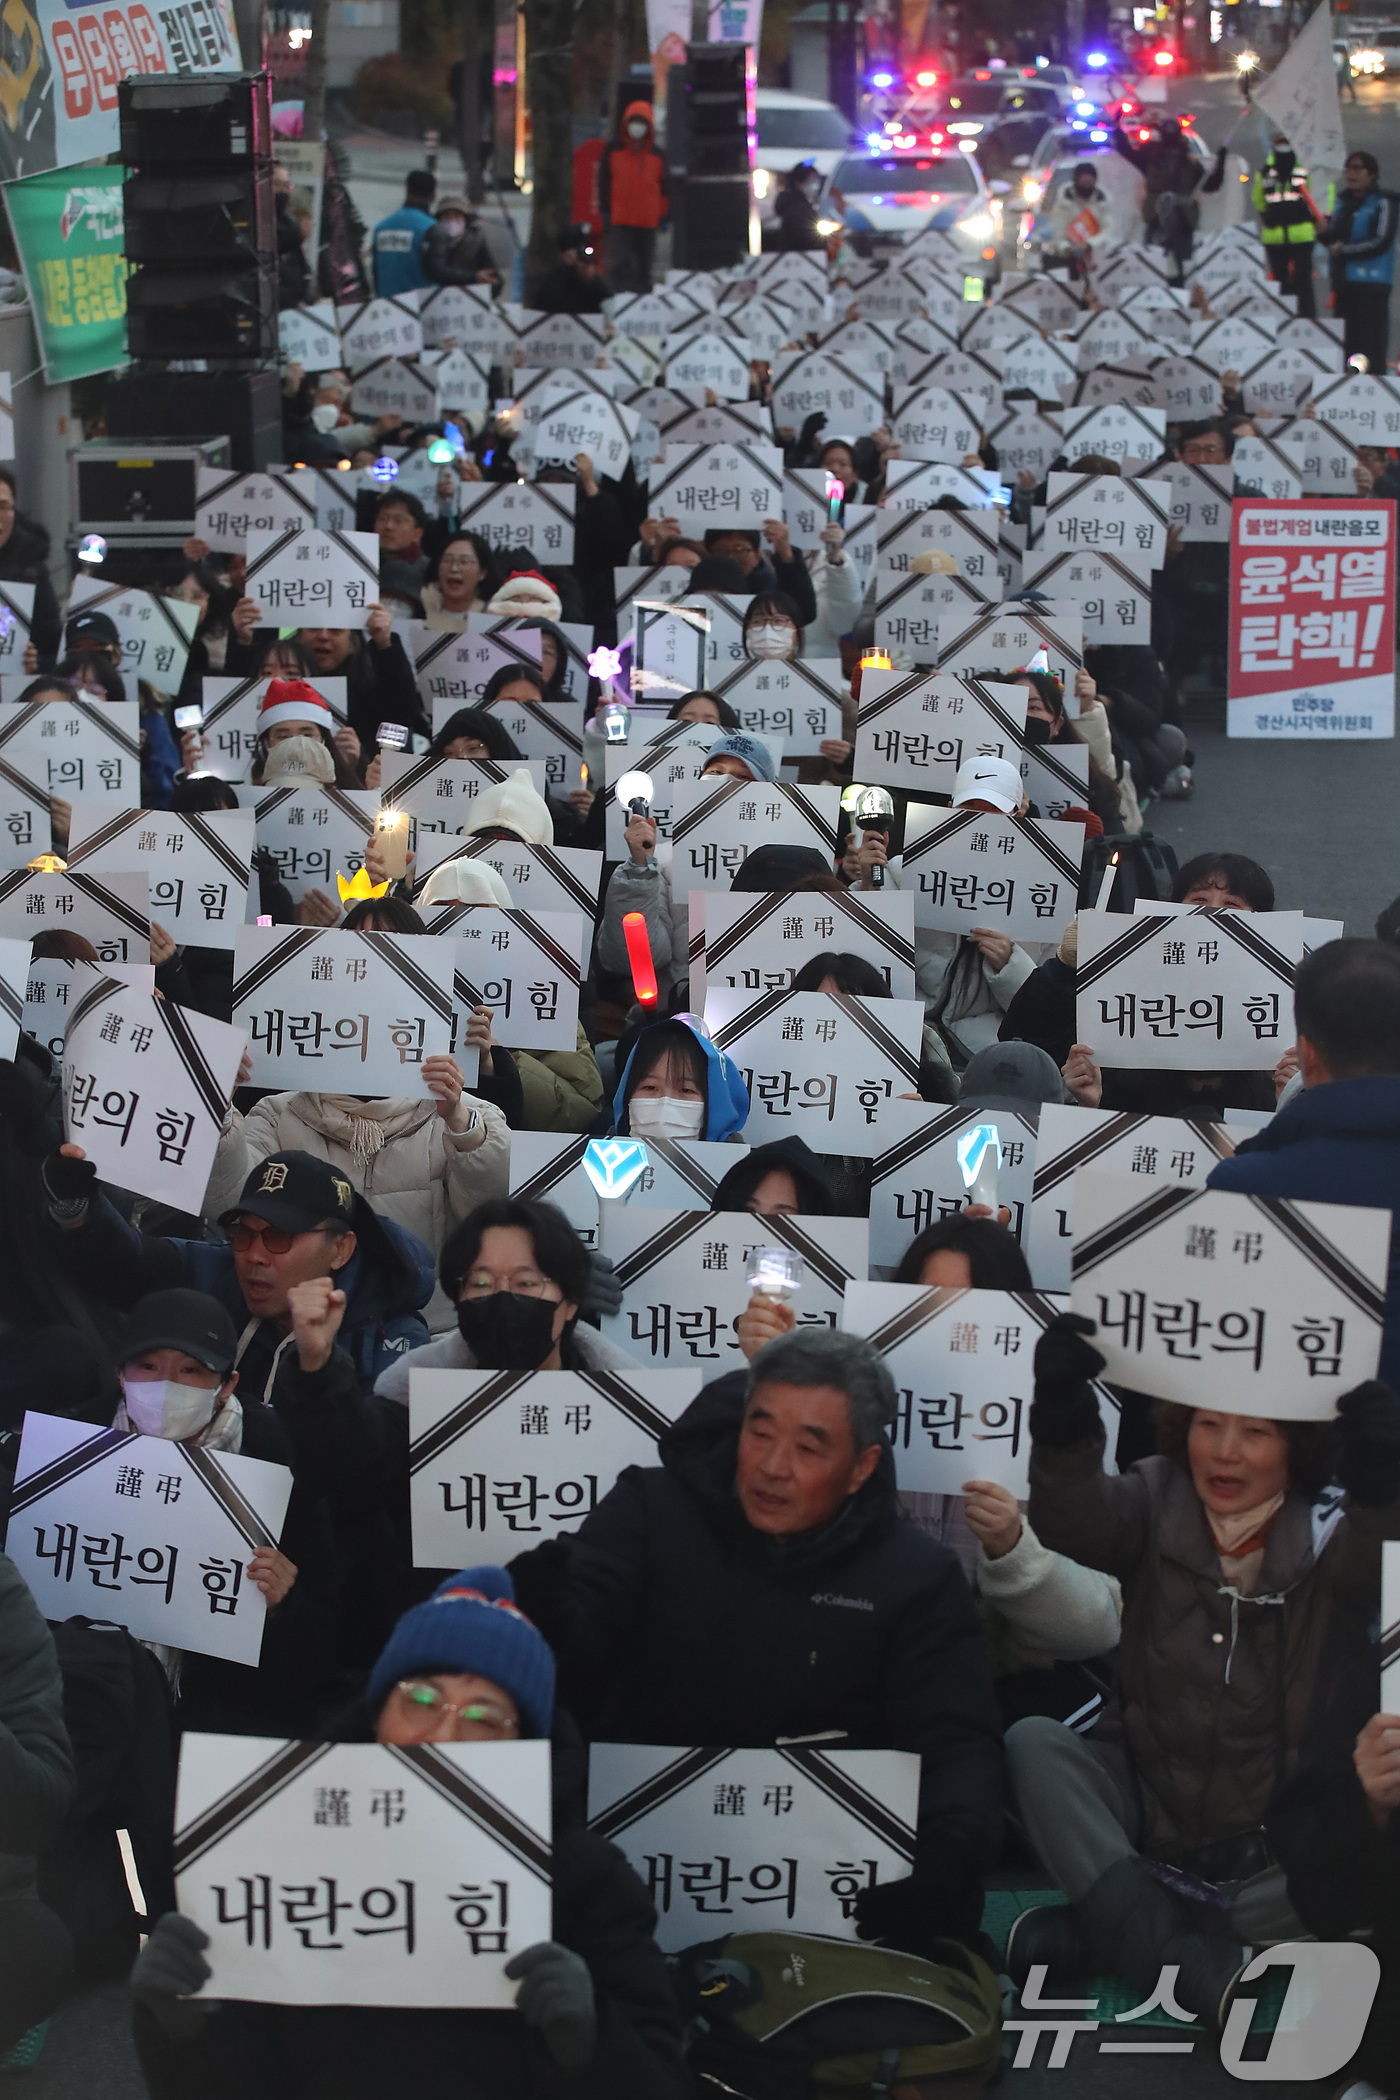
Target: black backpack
{"points": [[1146, 868], [787, 2016]]}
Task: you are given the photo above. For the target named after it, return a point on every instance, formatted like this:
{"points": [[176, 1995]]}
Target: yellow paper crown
{"points": [[361, 889]]}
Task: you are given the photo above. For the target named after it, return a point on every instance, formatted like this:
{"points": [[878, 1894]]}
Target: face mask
{"points": [[659, 1116], [325, 415], [507, 1332], [160, 1407], [453, 228], [1037, 732], [636, 131], [771, 641]]}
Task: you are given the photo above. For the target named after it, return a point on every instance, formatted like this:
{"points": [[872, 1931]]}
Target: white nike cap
{"points": [[993, 780]]}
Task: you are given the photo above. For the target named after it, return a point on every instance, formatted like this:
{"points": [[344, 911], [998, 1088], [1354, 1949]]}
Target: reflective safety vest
{"points": [[1285, 219]]}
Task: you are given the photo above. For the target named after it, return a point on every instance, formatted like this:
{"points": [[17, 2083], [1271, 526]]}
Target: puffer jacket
{"points": [[563, 1089], [1215, 1693], [36, 1761], [424, 1177]]}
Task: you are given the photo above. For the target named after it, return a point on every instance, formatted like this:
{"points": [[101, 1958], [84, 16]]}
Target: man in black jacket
{"points": [[456, 250], [763, 1586]]}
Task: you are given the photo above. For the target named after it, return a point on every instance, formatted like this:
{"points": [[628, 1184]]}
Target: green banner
{"points": [[68, 228]]}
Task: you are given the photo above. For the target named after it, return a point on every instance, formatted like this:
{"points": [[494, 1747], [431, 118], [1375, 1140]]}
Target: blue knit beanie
{"points": [[471, 1623]]}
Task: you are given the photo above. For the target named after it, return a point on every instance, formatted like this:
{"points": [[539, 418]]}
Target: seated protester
{"points": [[517, 1275], [539, 1089], [400, 523], [1047, 723], [704, 707], [968, 1252], [676, 1084], [785, 574], [37, 1790], [379, 683], [93, 668], [771, 631], [1043, 1010], [175, 1358], [1338, 1141], [1217, 1684], [458, 583], [1212, 882], [200, 586], [596, 2016], [782, 1180], [696, 1594], [1011, 1075], [296, 743], [968, 980]]}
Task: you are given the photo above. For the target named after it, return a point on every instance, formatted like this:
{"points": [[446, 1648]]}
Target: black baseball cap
{"points": [[96, 626], [296, 1191], [188, 1320]]}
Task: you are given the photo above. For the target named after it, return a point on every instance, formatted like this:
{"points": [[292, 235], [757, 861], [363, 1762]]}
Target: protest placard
{"points": [[1005, 638], [576, 635], [111, 911], [1055, 777], [1365, 406], [1230, 343], [648, 313], [711, 358], [916, 1178], [933, 422], [438, 793], [1214, 994], [62, 748], [1252, 1304], [963, 372], [704, 487], [800, 1053], [760, 943], [155, 632], [309, 336], [161, 1531], [53, 987], [1026, 443], [917, 484], [964, 1366], [1279, 384], [524, 965], [1179, 1149], [1132, 381], [441, 1849], [1112, 594], [539, 878], [459, 315], [461, 382], [1103, 513], [199, 866], [818, 383], [380, 1003], [1390, 1627], [682, 1273], [1312, 620], [371, 328], [452, 666], [684, 645], [666, 581], [517, 515], [913, 731], [862, 346], [313, 834], [965, 868], [1200, 501], [336, 492], [799, 705], [804, 1830], [717, 823], [679, 752], [570, 340], [969, 537], [1323, 455], [229, 733], [394, 386], [1135, 437], [1260, 469], [231, 506], [16, 619], [578, 419], [307, 577], [1191, 390], [717, 423], [498, 1460], [146, 1086]]}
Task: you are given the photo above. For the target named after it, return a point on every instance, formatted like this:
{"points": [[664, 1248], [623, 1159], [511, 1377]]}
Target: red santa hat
{"points": [[293, 700]]}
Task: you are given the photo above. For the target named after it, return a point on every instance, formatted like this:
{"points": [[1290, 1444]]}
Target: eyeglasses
{"points": [[423, 1705], [242, 1236], [485, 1285]]}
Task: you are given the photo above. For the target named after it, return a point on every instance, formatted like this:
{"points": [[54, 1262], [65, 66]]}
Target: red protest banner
{"points": [[1312, 619]]}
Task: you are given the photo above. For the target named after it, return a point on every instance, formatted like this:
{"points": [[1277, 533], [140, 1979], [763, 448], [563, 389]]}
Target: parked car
{"points": [[884, 200], [791, 129]]}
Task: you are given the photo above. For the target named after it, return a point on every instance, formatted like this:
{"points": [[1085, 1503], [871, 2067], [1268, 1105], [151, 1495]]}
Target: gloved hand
{"points": [[1368, 1444], [169, 1968], [557, 1997], [69, 1180], [896, 1912], [807, 436], [602, 1294], [1064, 1412]]}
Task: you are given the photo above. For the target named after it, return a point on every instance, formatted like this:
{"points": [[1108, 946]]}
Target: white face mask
{"points": [[659, 1116], [160, 1407], [453, 228], [637, 130], [325, 415], [771, 641]]}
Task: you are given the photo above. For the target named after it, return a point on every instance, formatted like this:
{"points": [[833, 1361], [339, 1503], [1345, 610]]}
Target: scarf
{"points": [[361, 1128]]}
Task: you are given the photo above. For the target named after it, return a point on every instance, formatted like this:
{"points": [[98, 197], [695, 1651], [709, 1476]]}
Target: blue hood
{"points": [[728, 1097]]}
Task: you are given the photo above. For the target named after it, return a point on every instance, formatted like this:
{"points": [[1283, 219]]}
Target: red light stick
{"points": [[634, 932]]}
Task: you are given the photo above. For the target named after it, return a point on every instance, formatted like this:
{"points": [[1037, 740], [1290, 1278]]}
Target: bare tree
{"points": [[549, 45], [313, 120], [469, 100]]}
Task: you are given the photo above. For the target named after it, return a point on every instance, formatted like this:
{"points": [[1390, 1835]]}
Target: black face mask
{"points": [[1037, 730], [507, 1332]]}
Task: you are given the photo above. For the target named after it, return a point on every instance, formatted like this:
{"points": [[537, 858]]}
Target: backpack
{"points": [[786, 2016], [1146, 868]]}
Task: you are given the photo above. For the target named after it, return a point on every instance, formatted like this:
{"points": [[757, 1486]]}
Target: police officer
{"points": [[1286, 222]]}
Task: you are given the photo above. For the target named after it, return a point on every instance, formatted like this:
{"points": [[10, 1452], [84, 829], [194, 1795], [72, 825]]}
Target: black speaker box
{"points": [[195, 223], [707, 111], [711, 222], [173, 313], [247, 406], [181, 121]]}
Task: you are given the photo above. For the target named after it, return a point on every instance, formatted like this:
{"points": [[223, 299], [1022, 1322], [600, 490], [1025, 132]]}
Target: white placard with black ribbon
{"points": [[964, 373], [520, 518], [364, 1874], [230, 506], [452, 666], [679, 1174], [465, 316], [395, 386], [1390, 1626], [309, 336], [1039, 365], [14, 981], [1254, 1304], [570, 340], [964, 1366], [64, 748], [708, 487], [304, 577], [911, 610], [968, 868], [778, 1840], [500, 1460], [539, 878], [313, 834], [576, 419], [337, 490], [932, 422], [1007, 637], [686, 644], [111, 911], [1180, 1150], [917, 484], [1114, 599], [916, 1179], [199, 866], [155, 632], [818, 1065], [818, 383], [1026, 442], [55, 984], [461, 382], [1135, 437], [1207, 992], [1103, 513], [798, 705], [550, 731], [148, 1534], [438, 793], [717, 823], [577, 638], [16, 619], [712, 358], [969, 537], [524, 965], [229, 733], [914, 731], [146, 1087], [342, 1013], [371, 328], [678, 751], [1191, 389], [759, 943], [1055, 777], [683, 1282]]}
